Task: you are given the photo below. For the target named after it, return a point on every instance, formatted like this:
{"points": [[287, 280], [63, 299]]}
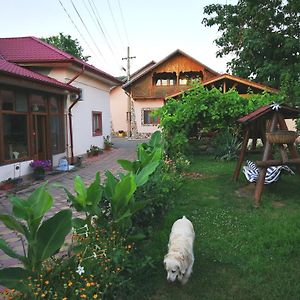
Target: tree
{"points": [[264, 37], [67, 44]]}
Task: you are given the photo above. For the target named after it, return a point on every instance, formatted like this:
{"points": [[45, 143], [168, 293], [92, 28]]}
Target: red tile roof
{"points": [[33, 50], [16, 71]]}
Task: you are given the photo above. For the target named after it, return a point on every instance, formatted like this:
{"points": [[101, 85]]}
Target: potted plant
{"points": [[39, 168], [93, 151], [107, 142]]}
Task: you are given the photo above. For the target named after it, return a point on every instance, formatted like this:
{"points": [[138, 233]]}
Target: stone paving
{"points": [[125, 149]]}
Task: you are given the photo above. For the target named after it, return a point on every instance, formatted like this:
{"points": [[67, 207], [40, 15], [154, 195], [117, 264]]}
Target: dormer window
{"points": [[186, 77], [164, 79]]}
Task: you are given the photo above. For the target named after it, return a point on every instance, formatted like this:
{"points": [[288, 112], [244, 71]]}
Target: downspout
{"points": [[70, 115]]}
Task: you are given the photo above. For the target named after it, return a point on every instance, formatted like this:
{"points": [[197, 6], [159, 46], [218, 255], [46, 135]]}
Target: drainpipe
{"points": [[70, 115]]}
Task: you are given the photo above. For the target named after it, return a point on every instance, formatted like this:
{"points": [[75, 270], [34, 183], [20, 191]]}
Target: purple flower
{"points": [[41, 164]]}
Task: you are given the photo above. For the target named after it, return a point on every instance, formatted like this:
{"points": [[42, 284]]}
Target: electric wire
{"points": [[82, 36], [123, 20], [87, 30], [115, 23]]}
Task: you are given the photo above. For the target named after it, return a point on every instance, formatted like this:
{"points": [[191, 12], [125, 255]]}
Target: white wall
{"points": [[11, 171], [95, 96], [138, 106], [118, 109]]}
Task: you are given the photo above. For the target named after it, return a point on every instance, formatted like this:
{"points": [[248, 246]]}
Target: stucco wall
{"points": [[95, 97], [138, 106], [118, 109], [15, 170]]}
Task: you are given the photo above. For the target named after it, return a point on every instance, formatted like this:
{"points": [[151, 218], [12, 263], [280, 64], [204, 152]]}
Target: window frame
{"points": [[99, 130], [149, 110]]}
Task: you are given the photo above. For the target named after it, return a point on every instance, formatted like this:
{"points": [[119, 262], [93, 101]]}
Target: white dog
{"points": [[180, 258]]}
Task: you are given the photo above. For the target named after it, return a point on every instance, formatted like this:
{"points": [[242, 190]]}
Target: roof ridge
{"points": [[65, 54]]}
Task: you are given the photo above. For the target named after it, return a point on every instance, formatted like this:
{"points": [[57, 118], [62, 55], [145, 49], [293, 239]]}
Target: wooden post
{"points": [[262, 173], [291, 146], [242, 155]]}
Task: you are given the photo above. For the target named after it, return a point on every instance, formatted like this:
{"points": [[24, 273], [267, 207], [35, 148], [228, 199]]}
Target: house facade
{"points": [[53, 105], [149, 88], [152, 86]]}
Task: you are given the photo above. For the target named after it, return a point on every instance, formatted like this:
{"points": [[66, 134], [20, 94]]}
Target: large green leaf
{"points": [[52, 233], [155, 140], [143, 176], [39, 202], [10, 252], [19, 208], [110, 184], [125, 164], [11, 223], [80, 190], [12, 278], [94, 195], [123, 192]]}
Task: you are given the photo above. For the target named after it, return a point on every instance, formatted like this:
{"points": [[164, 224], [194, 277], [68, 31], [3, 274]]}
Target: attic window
{"points": [[187, 77], [164, 79]]}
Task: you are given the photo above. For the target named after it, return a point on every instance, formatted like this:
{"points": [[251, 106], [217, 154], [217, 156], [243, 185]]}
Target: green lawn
{"points": [[240, 252]]}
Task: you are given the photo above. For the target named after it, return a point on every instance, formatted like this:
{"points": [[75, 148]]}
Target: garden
{"points": [[118, 243]]}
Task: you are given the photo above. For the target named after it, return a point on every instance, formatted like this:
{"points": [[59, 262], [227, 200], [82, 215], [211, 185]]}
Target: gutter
{"points": [[70, 114]]}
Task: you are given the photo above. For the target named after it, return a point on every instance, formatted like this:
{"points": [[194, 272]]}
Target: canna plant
{"points": [[86, 200], [43, 237], [149, 156]]}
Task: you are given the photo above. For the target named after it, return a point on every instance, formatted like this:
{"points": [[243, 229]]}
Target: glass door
{"points": [[39, 137]]}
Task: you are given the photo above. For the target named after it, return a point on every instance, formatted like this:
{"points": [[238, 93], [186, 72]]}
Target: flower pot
{"points": [[281, 137]]}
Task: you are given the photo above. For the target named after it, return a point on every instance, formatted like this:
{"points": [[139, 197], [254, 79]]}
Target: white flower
{"points": [[94, 254], [80, 270]]}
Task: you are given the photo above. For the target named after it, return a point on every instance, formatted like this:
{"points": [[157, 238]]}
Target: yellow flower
{"points": [[83, 296], [64, 298], [70, 283], [43, 295], [88, 284], [95, 296], [46, 282]]}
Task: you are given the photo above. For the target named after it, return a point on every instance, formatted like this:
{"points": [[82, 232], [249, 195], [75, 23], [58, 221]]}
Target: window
{"points": [[57, 128], [164, 79], [15, 136], [148, 118], [186, 77], [97, 123]]}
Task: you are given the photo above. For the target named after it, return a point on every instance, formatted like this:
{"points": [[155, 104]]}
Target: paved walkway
{"points": [[124, 149]]}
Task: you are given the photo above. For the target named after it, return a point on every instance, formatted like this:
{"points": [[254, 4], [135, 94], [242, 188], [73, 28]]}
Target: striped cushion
{"points": [[251, 172]]}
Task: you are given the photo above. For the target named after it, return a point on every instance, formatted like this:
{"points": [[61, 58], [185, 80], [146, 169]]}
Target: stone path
{"points": [[106, 161]]}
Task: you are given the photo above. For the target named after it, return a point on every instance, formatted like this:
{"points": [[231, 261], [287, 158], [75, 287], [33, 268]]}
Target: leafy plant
{"points": [[200, 110], [226, 145], [86, 199], [43, 238]]}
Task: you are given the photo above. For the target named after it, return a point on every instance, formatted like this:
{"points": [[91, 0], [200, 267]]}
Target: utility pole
{"points": [[128, 58]]}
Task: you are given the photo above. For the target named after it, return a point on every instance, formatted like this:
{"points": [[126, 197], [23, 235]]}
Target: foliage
{"points": [[201, 110], [67, 44], [100, 270], [86, 200], [263, 37], [107, 142], [94, 150], [43, 238], [227, 144]]}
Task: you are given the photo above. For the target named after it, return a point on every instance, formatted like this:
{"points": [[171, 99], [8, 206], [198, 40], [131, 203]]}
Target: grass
{"points": [[240, 252]]}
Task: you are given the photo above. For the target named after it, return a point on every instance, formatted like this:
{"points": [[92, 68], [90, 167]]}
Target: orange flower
{"points": [[83, 296]]}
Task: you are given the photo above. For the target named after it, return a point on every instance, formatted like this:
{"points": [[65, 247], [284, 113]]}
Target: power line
{"points": [[115, 23], [123, 20], [82, 36], [102, 28], [91, 37]]}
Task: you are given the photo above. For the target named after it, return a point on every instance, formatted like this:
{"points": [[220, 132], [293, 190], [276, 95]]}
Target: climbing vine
{"points": [[201, 110]]}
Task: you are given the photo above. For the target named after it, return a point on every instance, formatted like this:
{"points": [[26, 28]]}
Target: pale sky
{"points": [[152, 28]]}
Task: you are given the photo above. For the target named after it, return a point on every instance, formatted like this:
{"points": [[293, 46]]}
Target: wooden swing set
{"points": [[268, 124]]}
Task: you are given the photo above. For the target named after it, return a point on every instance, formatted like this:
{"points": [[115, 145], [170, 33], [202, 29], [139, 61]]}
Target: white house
{"points": [[59, 106]]}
